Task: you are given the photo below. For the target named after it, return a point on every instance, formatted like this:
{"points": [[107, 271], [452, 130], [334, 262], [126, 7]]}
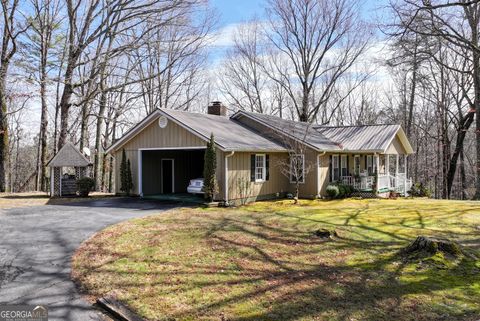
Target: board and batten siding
{"points": [[172, 136], [239, 176]]}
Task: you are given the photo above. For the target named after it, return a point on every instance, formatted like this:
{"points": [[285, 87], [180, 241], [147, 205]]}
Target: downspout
{"points": [[226, 175], [318, 172]]}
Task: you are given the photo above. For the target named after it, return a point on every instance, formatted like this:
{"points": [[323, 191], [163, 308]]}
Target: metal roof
{"points": [[233, 135], [361, 138], [229, 134], [304, 132], [68, 156]]}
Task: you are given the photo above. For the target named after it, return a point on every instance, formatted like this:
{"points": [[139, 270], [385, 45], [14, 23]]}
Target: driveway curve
{"points": [[37, 244]]}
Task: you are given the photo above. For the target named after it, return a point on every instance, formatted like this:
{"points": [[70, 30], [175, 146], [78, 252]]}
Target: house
{"points": [[166, 150]]}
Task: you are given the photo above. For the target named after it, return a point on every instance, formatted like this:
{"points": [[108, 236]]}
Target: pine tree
{"points": [[210, 186], [129, 177], [123, 173]]}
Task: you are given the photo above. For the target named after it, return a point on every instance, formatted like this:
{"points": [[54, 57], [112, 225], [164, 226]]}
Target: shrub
{"points": [[341, 191], [333, 191], [419, 190], [85, 185]]}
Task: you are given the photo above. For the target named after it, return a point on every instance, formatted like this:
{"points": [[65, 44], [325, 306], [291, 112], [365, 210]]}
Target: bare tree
{"points": [[322, 41], [11, 29], [38, 60], [242, 78]]}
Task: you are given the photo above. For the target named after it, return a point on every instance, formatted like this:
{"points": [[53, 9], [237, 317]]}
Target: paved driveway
{"points": [[36, 246]]}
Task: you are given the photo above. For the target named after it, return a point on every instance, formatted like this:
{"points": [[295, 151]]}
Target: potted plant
{"points": [[85, 185]]}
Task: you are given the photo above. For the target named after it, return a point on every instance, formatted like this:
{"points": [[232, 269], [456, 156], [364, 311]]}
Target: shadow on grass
{"points": [[279, 271]]}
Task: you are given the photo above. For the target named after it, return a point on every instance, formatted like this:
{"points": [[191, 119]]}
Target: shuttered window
{"points": [[260, 168]]}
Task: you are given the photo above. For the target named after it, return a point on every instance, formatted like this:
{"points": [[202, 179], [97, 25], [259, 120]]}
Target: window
{"points": [[357, 164], [297, 167], [344, 165], [260, 168], [369, 164], [335, 168]]}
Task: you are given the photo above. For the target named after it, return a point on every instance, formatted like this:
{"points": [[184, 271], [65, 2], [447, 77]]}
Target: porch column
{"points": [[405, 177], [387, 169], [377, 164], [397, 158]]}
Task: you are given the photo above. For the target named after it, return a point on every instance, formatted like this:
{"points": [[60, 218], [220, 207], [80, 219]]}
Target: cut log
{"points": [[431, 245], [325, 233]]}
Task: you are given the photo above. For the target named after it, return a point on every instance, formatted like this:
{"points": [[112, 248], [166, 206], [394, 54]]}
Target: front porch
{"points": [[379, 173]]}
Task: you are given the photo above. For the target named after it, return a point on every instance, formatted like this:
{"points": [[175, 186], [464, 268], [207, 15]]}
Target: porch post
{"points": [[405, 177], [396, 171], [377, 172], [387, 169]]}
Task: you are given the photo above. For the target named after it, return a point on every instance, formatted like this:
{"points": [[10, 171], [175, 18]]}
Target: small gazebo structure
{"points": [[68, 165]]}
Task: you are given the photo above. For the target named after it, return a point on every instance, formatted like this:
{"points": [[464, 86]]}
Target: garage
{"points": [[169, 171]]}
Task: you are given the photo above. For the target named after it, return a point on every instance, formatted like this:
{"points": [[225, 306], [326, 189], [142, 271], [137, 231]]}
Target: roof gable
{"points": [[229, 134], [68, 155]]}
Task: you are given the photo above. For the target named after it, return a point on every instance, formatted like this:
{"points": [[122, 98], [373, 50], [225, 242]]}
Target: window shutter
{"points": [[348, 165], [252, 167], [267, 167], [365, 164], [330, 168]]}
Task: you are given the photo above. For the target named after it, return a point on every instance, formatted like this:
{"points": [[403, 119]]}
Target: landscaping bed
{"points": [[268, 261]]}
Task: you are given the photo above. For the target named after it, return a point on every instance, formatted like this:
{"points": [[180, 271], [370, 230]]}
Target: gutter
{"points": [[226, 175]]}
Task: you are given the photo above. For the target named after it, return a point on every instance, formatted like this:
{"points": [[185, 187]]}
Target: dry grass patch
{"points": [[263, 262], [12, 200]]}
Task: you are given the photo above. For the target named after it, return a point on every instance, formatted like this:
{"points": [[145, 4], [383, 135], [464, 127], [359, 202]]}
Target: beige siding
{"points": [[396, 147], [239, 171], [153, 136], [324, 174], [171, 136], [309, 188]]}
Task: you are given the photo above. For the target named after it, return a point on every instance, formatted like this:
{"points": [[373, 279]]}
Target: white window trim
{"points": [[303, 169], [264, 169]]}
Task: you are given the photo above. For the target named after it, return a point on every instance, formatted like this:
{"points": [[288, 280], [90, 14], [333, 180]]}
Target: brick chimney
{"points": [[217, 108]]}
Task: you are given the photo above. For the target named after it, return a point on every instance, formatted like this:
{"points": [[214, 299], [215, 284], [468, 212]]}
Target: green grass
{"points": [[262, 262]]}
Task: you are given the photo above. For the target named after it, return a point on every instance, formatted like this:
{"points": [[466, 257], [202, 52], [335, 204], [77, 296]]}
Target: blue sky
{"points": [[236, 11]]}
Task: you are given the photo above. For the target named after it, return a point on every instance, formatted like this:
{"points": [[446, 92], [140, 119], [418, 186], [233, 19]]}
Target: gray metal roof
{"points": [[68, 156], [229, 134], [360, 138], [301, 131]]}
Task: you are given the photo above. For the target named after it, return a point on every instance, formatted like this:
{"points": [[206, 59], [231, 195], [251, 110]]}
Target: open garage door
{"points": [[170, 171]]}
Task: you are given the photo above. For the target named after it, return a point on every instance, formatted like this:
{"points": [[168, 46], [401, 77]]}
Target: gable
{"points": [[396, 147], [172, 136]]}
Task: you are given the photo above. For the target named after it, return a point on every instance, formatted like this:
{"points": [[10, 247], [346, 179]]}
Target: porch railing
{"points": [[386, 182]]}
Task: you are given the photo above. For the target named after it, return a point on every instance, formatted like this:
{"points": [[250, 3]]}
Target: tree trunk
{"points": [[3, 125], [65, 101], [43, 126]]}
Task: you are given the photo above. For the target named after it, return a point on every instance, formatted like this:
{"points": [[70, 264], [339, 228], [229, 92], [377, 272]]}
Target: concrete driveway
{"points": [[37, 243]]}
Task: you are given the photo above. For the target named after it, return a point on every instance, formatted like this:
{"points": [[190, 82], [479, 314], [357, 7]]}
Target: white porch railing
{"points": [[386, 182]]}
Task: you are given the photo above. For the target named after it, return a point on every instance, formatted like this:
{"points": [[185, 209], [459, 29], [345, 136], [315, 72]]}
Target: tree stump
{"points": [[431, 245], [325, 233]]}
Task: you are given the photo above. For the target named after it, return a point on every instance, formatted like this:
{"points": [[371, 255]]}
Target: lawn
{"points": [[262, 262]]}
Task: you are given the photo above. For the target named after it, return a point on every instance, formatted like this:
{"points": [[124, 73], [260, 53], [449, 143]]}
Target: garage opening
{"points": [[170, 171]]}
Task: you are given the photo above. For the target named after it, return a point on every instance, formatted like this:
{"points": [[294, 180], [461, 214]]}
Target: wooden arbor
{"points": [[64, 184]]}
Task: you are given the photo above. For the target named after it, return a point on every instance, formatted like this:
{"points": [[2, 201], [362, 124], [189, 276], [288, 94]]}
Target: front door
{"points": [[167, 176]]}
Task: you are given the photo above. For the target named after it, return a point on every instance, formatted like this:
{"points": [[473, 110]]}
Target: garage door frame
{"points": [[139, 158]]}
